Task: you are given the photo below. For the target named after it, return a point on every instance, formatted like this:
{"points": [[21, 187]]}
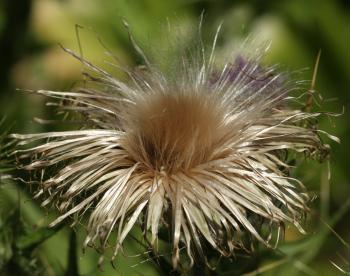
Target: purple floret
{"points": [[245, 72]]}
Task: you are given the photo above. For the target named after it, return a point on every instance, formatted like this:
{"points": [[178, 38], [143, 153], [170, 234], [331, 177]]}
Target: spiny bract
{"points": [[201, 151]]}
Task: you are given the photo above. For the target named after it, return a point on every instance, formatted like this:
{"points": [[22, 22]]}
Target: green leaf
{"points": [[34, 238]]}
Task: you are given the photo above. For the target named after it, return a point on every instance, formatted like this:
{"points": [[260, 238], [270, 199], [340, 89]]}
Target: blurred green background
{"points": [[30, 58]]}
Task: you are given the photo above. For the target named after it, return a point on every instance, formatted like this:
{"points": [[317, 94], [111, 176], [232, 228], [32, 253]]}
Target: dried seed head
{"points": [[175, 131], [201, 151]]}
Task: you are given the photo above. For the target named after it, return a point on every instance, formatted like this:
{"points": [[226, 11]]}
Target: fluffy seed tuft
{"points": [[201, 153]]}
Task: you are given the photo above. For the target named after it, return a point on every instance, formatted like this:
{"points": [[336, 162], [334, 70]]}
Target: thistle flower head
{"points": [[200, 152]]}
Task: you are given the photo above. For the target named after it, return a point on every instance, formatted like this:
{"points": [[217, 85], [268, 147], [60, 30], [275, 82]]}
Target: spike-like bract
{"points": [[201, 152]]}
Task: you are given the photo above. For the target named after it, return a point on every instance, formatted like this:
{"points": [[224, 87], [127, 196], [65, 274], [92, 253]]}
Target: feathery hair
{"points": [[201, 151], [5, 148]]}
